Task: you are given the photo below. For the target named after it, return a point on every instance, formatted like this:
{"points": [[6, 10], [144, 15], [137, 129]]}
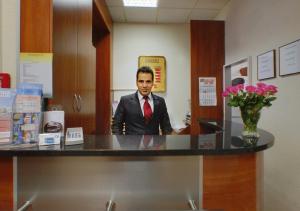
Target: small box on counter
{"points": [[54, 122]]}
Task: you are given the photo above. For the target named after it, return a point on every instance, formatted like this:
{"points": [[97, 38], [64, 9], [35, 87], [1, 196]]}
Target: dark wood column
{"points": [[230, 182], [102, 40], [207, 60], [103, 97]]}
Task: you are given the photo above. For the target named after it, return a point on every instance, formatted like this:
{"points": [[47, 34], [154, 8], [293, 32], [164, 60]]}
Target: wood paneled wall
{"points": [[36, 26], [207, 60], [6, 183], [232, 182]]}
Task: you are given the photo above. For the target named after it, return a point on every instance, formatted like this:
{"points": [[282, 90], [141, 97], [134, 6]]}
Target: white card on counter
{"points": [[74, 136], [49, 138]]}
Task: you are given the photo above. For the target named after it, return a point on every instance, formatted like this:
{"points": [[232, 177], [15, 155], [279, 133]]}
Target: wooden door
{"points": [[86, 67], [65, 58]]}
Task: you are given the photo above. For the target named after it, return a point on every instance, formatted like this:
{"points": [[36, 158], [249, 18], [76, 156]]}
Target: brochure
{"points": [[28, 99], [26, 127], [7, 98], [27, 113]]}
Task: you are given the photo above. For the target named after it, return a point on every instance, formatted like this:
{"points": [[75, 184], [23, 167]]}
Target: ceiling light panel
{"points": [[140, 3], [180, 4]]}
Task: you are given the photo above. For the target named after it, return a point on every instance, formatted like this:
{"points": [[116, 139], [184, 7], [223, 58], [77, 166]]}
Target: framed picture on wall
{"points": [[158, 65], [266, 65], [235, 73], [289, 58]]}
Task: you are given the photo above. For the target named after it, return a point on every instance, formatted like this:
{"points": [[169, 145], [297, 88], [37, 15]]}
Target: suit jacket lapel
{"points": [[155, 105], [136, 99]]}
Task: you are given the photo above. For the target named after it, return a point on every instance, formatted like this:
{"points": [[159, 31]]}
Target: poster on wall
{"points": [[207, 91], [36, 68], [158, 65]]}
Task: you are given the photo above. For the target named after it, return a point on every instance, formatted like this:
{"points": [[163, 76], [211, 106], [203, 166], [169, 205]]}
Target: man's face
{"points": [[144, 83]]}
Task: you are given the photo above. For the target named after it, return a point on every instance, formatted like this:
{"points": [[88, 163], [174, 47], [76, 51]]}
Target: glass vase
{"points": [[250, 116]]}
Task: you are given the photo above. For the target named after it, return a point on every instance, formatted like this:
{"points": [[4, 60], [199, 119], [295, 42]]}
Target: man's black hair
{"points": [[145, 69]]}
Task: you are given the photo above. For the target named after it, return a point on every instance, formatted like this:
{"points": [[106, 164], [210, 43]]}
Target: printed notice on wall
{"points": [[37, 68], [207, 91]]}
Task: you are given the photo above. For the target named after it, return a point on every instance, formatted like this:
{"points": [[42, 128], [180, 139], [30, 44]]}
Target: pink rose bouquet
{"points": [[250, 100], [257, 96]]}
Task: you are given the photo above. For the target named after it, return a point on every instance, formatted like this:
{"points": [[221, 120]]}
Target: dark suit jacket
{"points": [[129, 112]]}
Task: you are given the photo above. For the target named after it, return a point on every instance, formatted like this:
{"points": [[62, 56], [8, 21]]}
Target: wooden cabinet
{"points": [[74, 62], [82, 84], [36, 26], [65, 27], [70, 29]]}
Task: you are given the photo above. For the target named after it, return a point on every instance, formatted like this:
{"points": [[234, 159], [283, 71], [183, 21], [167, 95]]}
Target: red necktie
{"points": [[147, 110]]}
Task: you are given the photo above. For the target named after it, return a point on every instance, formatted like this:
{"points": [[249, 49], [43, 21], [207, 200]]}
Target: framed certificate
{"points": [[289, 58], [158, 65], [266, 65]]}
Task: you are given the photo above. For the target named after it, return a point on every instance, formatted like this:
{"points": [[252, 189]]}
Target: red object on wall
{"points": [[4, 80]]}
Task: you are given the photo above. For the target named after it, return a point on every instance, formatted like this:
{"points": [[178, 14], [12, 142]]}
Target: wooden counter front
{"points": [[6, 183]]}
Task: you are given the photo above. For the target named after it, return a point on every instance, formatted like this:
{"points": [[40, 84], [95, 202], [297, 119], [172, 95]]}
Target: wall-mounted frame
{"points": [[289, 58], [266, 65], [238, 72], [158, 65]]}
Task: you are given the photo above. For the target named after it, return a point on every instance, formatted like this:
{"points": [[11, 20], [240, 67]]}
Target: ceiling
{"points": [[168, 11]]}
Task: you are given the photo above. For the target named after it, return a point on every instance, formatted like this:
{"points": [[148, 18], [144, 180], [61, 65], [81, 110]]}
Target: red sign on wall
{"points": [[4, 80]]}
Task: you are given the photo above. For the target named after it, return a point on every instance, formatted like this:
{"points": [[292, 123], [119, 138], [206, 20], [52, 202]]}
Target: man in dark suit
{"points": [[143, 113]]}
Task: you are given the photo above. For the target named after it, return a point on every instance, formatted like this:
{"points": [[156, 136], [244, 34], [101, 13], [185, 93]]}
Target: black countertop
{"points": [[225, 139]]}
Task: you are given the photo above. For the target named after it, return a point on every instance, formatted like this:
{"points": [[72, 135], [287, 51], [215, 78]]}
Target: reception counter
{"points": [[176, 172]]}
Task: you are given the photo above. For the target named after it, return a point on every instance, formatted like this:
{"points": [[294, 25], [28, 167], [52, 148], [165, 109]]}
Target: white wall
{"points": [[1, 35], [254, 27], [9, 38], [169, 40]]}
